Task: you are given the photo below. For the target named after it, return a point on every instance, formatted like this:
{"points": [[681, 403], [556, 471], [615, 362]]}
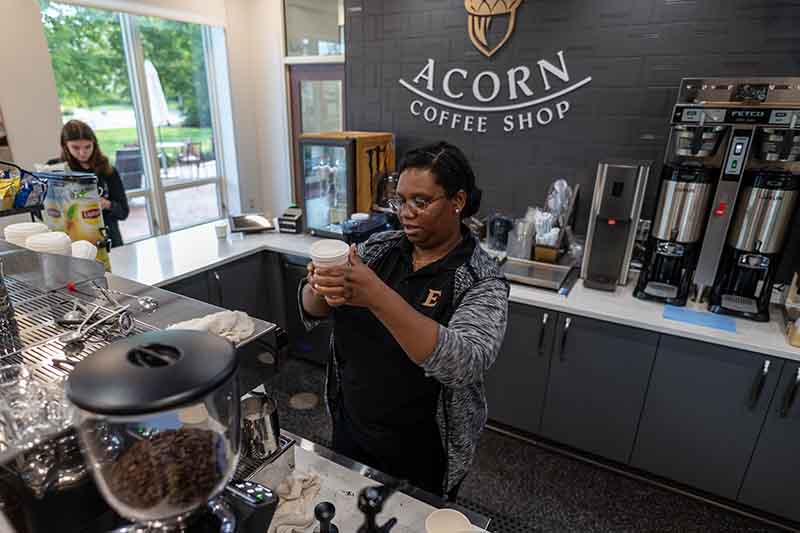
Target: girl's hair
{"points": [[75, 130], [451, 169]]}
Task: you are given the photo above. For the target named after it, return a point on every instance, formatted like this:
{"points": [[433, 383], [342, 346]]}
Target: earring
{"points": [[458, 210]]}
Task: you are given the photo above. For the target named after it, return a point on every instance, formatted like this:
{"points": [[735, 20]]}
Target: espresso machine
{"points": [[722, 129], [676, 234], [753, 250]]}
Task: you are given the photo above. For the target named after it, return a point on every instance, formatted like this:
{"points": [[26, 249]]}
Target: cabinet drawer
{"points": [[516, 383], [598, 378], [703, 413]]}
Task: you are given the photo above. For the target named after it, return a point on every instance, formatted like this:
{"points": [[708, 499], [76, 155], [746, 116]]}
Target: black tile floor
{"points": [[525, 488]]}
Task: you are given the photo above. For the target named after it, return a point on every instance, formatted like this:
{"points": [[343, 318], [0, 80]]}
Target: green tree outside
{"points": [[91, 71]]}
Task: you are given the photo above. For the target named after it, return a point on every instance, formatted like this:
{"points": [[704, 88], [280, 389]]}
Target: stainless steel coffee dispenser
{"points": [[676, 234], [616, 206], [747, 271], [726, 127]]}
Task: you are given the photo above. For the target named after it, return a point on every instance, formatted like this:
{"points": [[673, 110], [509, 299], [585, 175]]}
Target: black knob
{"points": [[324, 513]]}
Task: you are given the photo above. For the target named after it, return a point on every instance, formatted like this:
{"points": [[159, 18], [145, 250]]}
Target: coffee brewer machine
{"points": [[724, 129], [676, 234], [744, 282]]}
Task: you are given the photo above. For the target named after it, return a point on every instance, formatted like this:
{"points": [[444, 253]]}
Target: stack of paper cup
{"points": [[84, 250], [54, 242], [18, 233]]}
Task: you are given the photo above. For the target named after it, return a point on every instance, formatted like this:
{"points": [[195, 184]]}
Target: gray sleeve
{"points": [[468, 346], [309, 322]]}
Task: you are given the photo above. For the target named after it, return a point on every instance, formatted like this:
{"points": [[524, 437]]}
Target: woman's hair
{"points": [[75, 130], [451, 169]]}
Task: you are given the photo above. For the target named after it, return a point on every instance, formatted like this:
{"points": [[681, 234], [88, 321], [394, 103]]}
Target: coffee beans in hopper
{"points": [[174, 467]]}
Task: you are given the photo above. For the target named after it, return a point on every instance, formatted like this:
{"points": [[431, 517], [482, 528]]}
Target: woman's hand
{"points": [[362, 286], [327, 284], [104, 203]]}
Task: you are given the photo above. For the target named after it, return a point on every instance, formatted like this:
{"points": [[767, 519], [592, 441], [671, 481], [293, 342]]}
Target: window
{"points": [[142, 84], [317, 105], [314, 27], [180, 110]]}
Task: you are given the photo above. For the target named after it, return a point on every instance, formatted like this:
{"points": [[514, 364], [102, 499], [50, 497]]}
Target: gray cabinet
{"points": [[704, 410], [192, 287], [241, 286], [598, 379], [773, 478], [516, 383]]}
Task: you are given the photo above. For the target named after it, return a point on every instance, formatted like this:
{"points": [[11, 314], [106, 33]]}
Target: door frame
{"points": [[296, 74]]}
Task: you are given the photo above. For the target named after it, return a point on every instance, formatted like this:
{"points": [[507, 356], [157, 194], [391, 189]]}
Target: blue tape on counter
{"points": [[700, 318]]}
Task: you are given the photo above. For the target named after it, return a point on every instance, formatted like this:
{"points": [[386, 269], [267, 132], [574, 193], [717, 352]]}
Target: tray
{"points": [[536, 273]]}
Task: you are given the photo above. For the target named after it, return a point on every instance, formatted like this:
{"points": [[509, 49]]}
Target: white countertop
{"points": [[168, 258], [162, 260]]}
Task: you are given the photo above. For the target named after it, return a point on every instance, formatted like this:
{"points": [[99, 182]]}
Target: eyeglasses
{"points": [[416, 205]]}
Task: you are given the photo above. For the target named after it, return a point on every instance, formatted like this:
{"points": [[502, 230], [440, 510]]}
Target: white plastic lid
{"points": [[329, 249], [26, 227], [360, 217], [56, 241]]}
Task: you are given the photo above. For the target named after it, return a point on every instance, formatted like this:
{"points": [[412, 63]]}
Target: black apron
{"points": [[386, 416]]}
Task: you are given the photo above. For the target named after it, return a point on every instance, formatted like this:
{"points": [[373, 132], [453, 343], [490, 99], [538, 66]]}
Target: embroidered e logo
{"points": [[432, 299]]}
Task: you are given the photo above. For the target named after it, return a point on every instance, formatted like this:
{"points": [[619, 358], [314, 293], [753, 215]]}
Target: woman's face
{"points": [[434, 224], [81, 150]]}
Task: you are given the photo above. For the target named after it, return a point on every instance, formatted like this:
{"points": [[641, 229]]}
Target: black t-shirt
{"points": [[386, 396]]}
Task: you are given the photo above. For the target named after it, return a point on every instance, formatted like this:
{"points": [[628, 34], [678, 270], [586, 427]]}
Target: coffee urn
{"points": [[743, 286], [676, 234]]}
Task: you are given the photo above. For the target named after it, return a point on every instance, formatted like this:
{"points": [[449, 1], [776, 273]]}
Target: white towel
{"points": [[295, 512], [235, 326]]}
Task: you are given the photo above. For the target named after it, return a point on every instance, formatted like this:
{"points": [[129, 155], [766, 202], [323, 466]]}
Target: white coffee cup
{"points": [[446, 521], [329, 253], [222, 230]]}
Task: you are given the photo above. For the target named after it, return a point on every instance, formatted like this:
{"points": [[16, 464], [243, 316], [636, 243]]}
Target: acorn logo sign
{"points": [[481, 13], [521, 98]]}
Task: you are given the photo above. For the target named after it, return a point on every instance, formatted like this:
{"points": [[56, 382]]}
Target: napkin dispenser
{"points": [[291, 221]]}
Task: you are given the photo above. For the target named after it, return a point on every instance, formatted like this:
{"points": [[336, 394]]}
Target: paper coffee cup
{"points": [[446, 521], [329, 253], [222, 230]]}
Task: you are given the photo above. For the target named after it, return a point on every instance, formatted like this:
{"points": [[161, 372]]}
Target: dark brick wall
{"points": [[636, 51]]}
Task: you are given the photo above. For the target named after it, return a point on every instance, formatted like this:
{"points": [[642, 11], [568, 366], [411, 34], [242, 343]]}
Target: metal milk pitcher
{"points": [[260, 427]]}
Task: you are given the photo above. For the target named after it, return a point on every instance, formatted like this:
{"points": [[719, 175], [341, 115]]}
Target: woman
{"points": [[79, 149], [419, 317]]}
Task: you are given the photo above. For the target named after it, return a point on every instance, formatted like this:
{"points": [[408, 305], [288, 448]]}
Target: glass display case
{"points": [[340, 172], [328, 185]]}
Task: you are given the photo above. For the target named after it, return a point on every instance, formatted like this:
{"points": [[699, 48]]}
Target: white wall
{"points": [[28, 89], [258, 88]]}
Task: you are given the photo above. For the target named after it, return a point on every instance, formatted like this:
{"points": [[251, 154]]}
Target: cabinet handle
{"points": [[567, 324], [545, 318], [758, 385], [791, 394], [218, 280]]}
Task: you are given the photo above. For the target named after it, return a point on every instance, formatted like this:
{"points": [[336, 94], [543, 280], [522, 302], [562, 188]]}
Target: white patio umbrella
{"points": [[159, 112]]}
